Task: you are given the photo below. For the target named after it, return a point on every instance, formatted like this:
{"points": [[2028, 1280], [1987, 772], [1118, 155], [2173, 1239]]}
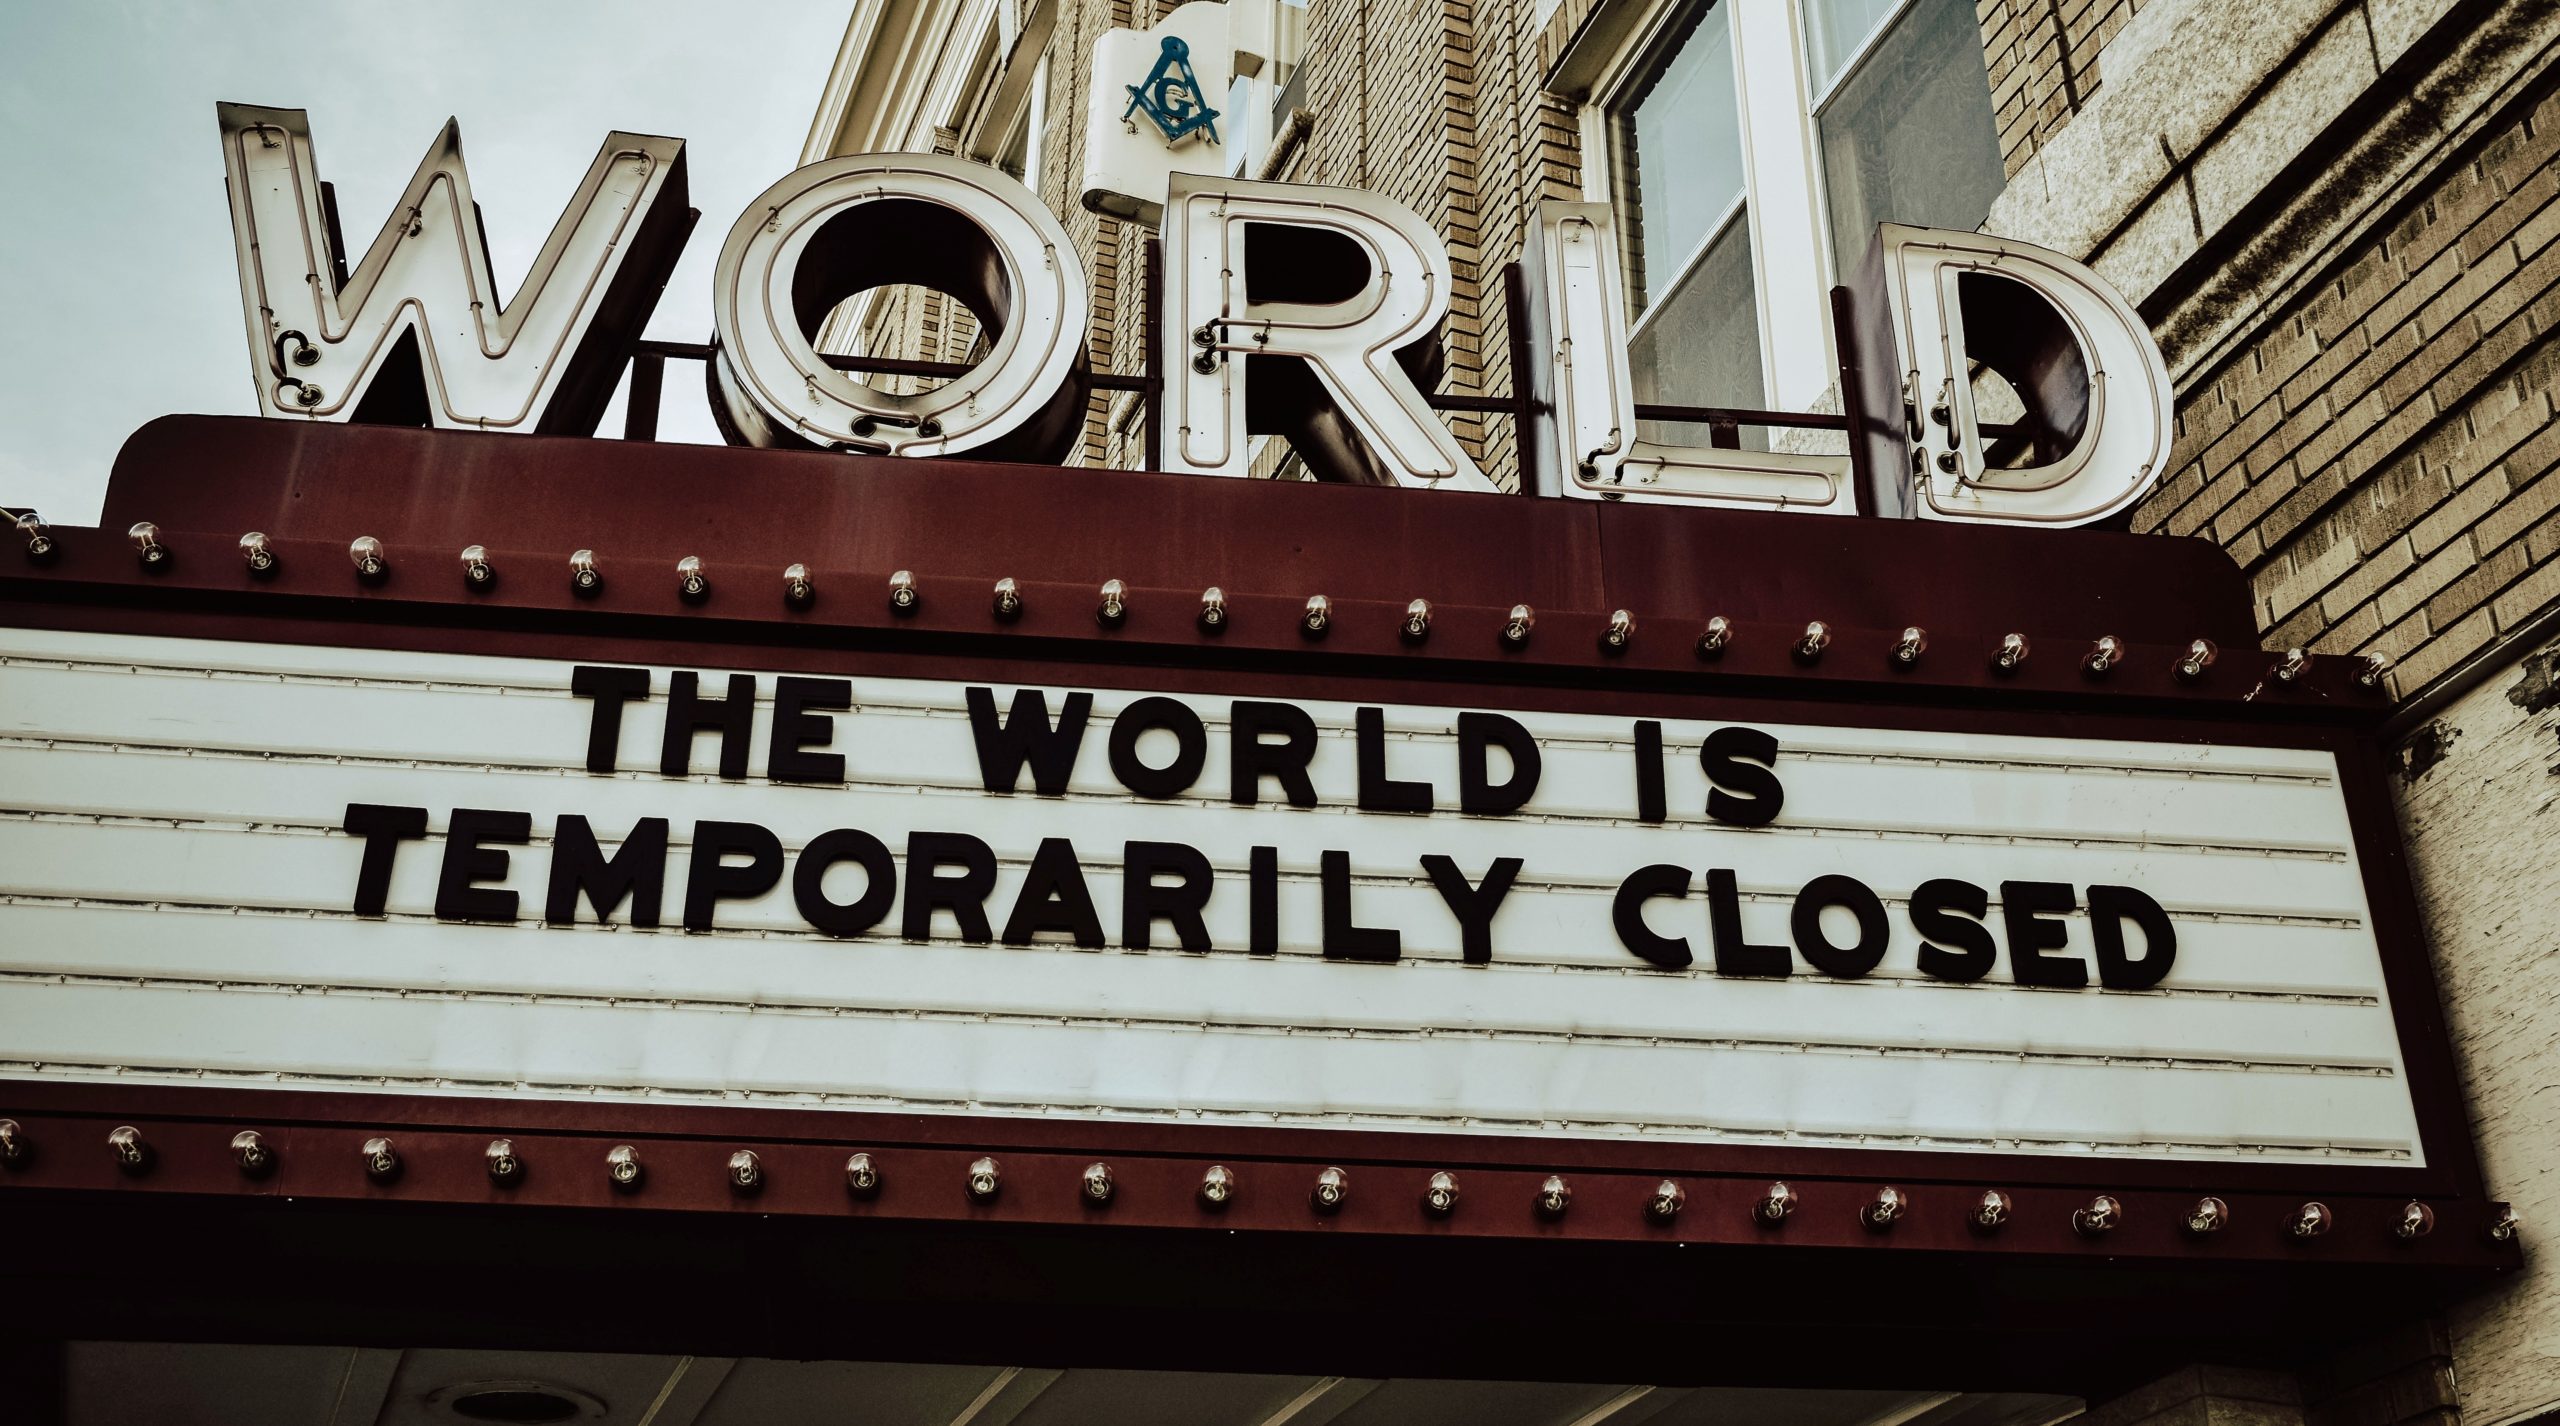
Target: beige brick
{"points": [[2474, 502], [2527, 597], [2496, 571], [2409, 594]]}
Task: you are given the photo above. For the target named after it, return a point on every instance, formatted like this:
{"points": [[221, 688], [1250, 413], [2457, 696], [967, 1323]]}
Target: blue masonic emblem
{"points": [[1171, 97]]}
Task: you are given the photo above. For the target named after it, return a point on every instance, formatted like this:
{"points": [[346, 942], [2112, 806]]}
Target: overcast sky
{"points": [[119, 296]]}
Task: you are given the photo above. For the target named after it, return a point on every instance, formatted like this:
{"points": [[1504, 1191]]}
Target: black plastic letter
{"points": [[1143, 901], [1190, 754], [1343, 939], [1474, 906], [383, 829], [1477, 796], [809, 882], [964, 895], [2109, 908], [1874, 934], [637, 869], [1626, 911], [1025, 736], [798, 727], [469, 859], [1743, 760], [2030, 910], [1251, 759], [1734, 955], [610, 688], [1954, 944], [688, 713], [710, 879], [1379, 792]]}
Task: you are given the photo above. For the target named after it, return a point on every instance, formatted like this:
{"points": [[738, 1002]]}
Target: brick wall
{"points": [[2380, 457], [2043, 56]]}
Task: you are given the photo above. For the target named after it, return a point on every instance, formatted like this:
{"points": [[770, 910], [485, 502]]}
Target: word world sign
{"points": [[1289, 309]]}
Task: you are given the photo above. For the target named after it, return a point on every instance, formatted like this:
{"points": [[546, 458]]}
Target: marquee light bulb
{"points": [[1554, 1197], [622, 1168], [1217, 1187], [1715, 638], [2417, 1220], [1333, 1187], [2371, 670], [477, 572], [1908, 649], [2293, 665], [1098, 1185], [2210, 1215], [1517, 624], [798, 589], [1776, 1202], [2011, 653], [1620, 633], [1440, 1195], [1008, 599], [985, 1180], [1990, 1212], [746, 1171], [1318, 620], [250, 1151], [381, 1160], [371, 560], [255, 554], [1881, 1212], [904, 597], [585, 580], [14, 1147], [2105, 654], [131, 1154], [2098, 1217], [505, 1168], [2198, 657], [1666, 1202], [1417, 622], [1114, 609], [862, 1175], [147, 547], [1213, 610], [39, 537], [692, 585], [2505, 1225], [2311, 1220], [1810, 644]]}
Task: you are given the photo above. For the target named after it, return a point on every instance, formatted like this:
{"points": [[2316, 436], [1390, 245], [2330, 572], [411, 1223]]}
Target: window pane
{"points": [[1678, 136], [1833, 31], [1909, 137], [1701, 344]]}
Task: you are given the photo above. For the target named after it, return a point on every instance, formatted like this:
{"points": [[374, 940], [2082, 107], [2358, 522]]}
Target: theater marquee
{"points": [[347, 867]]}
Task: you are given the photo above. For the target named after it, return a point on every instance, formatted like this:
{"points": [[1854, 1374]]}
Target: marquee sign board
{"points": [[354, 867], [806, 869]]}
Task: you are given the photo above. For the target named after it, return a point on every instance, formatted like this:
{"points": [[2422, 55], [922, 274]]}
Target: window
{"points": [[1751, 148], [1676, 146], [1904, 113]]}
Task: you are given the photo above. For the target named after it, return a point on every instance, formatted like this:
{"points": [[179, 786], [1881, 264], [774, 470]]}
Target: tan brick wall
{"points": [[2043, 56], [2380, 457]]}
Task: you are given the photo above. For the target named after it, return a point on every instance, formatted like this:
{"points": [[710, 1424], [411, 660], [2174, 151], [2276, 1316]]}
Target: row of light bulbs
{"points": [[799, 590], [1098, 1185]]}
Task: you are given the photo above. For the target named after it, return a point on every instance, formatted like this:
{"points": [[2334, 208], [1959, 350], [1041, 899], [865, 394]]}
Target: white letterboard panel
{"points": [[176, 894]]}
